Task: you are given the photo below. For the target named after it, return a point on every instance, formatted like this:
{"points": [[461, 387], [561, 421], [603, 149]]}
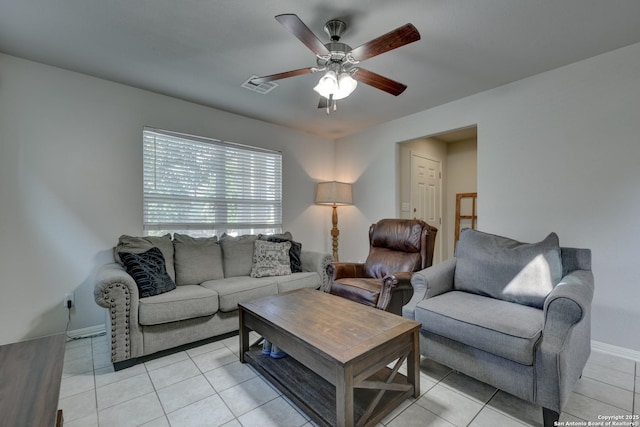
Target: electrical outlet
{"points": [[67, 298]]}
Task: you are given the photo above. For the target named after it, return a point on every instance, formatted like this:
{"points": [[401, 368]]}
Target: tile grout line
{"points": [[483, 407], [155, 390], [258, 375], [633, 397], [610, 385], [95, 384]]}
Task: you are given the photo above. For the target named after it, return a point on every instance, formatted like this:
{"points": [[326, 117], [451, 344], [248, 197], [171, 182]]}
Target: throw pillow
{"points": [[506, 269], [271, 259], [237, 254], [197, 259], [138, 245], [149, 272], [295, 253]]}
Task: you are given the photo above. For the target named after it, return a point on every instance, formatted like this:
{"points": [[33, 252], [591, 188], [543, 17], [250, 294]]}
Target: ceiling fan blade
{"points": [[298, 28], [379, 82], [292, 73], [386, 42]]}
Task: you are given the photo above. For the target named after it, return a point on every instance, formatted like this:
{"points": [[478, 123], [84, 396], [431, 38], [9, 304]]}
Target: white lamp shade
{"points": [[328, 84], [334, 193], [346, 85]]}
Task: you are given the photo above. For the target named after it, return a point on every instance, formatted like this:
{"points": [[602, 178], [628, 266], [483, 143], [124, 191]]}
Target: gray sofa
{"points": [[513, 315], [211, 277]]}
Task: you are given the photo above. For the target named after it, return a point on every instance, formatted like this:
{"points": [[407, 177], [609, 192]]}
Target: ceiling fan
{"points": [[340, 61]]}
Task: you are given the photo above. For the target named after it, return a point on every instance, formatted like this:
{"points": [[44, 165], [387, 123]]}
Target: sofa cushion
{"points": [[138, 245], [148, 271], [237, 254], [197, 259], [270, 259], [184, 302], [499, 327], [233, 290], [298, 281], [506, 269], [295, 253]]}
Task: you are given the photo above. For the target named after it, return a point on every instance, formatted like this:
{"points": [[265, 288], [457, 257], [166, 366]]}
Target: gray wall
{"points": [[71, 183], [556, 152]]}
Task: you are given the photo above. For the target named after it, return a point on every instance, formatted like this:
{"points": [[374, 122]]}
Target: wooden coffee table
{"points": [[337, 355]]}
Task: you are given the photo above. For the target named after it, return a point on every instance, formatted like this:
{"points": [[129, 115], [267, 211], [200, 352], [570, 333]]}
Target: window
{"points": [[206, 187]]}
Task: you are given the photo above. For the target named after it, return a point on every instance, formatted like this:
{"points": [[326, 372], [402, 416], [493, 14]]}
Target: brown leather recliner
{"points": [[397, 248]]}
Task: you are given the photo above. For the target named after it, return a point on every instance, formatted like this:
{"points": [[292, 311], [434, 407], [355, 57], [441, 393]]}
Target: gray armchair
{"points": [[513, 315]]}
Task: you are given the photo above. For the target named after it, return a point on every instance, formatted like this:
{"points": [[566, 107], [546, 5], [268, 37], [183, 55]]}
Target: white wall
{"points": [[558, 151], [71, 183]]}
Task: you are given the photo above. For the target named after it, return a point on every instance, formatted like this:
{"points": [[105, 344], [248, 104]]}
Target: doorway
{"points": [[426, 194], [456, 153]]}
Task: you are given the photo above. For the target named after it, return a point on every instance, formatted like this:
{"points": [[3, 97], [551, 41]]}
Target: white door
{"points": [[426, 196]]}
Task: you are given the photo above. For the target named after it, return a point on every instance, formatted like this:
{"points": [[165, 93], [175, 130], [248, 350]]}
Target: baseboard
{"points": [[87, 332], [614, 350]]}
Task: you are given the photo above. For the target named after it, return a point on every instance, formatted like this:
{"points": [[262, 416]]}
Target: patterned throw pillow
{"points": [[270, 259], [295, 251], [149, 271]]}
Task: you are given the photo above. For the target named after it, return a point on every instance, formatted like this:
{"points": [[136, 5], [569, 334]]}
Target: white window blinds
{"points": [[205, 187]]}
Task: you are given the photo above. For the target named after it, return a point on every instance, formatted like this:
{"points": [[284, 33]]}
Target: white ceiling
{"points": [[202, 51]]}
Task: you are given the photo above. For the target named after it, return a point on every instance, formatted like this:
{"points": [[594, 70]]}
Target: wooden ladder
{"points": [[473, 217]]}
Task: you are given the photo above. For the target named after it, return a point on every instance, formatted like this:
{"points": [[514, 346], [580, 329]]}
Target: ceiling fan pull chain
{"points": [[330, 102]]}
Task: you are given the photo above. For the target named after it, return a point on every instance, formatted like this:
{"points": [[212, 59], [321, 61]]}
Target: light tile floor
{"points": [[207, 386]]}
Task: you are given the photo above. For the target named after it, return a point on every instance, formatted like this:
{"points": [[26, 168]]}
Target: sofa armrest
{"points": [[402, 279], [428, 283], [566, 305], [318, 262], [116, 291], [566, 339], [341, 270]]}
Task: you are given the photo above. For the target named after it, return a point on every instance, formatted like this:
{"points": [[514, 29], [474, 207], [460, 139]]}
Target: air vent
{"points": [[262, 88]]}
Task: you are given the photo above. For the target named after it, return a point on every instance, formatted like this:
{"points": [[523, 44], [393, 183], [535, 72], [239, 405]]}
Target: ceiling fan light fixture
{"points": [[346, 86], [328, 84], [340, 86]]}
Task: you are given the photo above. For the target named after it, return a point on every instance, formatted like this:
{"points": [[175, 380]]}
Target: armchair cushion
{"points": [[395, 245], [484, 323], [505, 269], [359, 289], [382, 262]]}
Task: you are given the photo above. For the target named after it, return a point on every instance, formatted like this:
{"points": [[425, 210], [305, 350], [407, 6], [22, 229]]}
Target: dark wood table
{"points": [[30, 375], [338, 353]]}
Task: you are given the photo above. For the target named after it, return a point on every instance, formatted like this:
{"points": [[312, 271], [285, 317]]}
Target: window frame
{"points": [[238, 189]]}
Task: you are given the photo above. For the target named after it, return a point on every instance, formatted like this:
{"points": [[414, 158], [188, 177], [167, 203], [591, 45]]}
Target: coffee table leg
{"points": [[244, 335], [413, 365], [344, 397]]}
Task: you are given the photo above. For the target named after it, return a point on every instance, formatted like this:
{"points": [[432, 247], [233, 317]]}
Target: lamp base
{"points": [[335, 232]]}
